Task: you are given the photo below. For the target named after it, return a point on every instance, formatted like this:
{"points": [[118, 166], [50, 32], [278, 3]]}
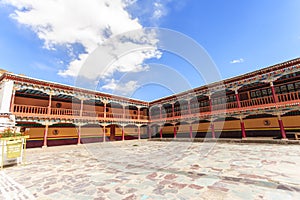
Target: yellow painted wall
{"points": [[259, 123], [291, 121], [228, 125]]}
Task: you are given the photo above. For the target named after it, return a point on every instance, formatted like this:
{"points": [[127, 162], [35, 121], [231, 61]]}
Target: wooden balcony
{"points": [[62, 111], [28, 110], [257, 101], [228, 107], [292, 96]]}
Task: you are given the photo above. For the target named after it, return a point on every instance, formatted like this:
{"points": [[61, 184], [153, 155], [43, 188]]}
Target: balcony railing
{"points": [[37, 110], [30, 109], [62, 111], [258, 102], [289, 96]]}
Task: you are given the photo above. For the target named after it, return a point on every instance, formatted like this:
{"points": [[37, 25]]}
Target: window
{"points": [[253, 95], [290, 87], [269, 91], [277, 90], [297, 86], [283, 88], [264, 92], [258, 93]]}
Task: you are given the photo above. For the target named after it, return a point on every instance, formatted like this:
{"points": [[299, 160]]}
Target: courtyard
{"points": [[155, 170]]}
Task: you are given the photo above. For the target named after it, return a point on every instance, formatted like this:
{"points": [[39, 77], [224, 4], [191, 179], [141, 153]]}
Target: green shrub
{"points": [[9, 133]]}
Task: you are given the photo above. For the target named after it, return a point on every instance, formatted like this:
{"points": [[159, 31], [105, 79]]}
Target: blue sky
{"points": [[240, 36]]}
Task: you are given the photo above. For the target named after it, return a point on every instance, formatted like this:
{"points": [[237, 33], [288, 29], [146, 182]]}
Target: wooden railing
{"points": [[30, 109], [257, 101], [114, 115], [39, 110], [289, 96], [62, 111], [27, 109]]}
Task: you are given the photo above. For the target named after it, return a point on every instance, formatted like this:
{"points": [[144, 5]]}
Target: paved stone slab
{"points": [[156, 170]]}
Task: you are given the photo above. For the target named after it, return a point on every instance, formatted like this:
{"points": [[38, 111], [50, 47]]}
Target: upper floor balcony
{"points": [[29, 110], [243, 105]]}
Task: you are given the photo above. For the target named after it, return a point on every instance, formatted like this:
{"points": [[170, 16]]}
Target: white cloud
{"points": [[154, 10], [121, 88], [241, 60], [88, 23]]}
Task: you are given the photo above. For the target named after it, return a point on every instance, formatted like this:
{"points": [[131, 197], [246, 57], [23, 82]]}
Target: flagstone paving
{"points": [[156, 170]]}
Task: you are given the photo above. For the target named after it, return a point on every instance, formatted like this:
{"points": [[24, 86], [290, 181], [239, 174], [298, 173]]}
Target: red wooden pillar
{"points": [[273, 92], [81, 107], [104, 115], [123, 111], [139, 113], [237, 98], [45, 135], [191, 131], [175, 131], [139, 132], [243, 128], [123, 133], [160, 114], [49, 104], [79, 134], [161, 131], [173, 110], [210, 103], [104, 133], [12, 102], [212, 126], [282, 131], [189, 106]]}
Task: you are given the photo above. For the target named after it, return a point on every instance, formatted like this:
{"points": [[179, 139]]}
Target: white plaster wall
{"points": [[6, 88]]}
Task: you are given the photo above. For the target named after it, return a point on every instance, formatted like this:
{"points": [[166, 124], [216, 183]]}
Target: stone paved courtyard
{"points": [[156, 170]]}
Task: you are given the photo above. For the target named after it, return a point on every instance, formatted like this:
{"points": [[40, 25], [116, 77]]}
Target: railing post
{"points": [[139, 110], [210, 102], [104, 109], [49, 104], [160, 114], [173, 110], [189, 106], [237, 98], [12, 102], [123, 106], [275, 99], [81, 107]]}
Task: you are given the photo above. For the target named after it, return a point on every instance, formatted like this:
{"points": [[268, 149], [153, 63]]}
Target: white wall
{"points": [[6, 88]]}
